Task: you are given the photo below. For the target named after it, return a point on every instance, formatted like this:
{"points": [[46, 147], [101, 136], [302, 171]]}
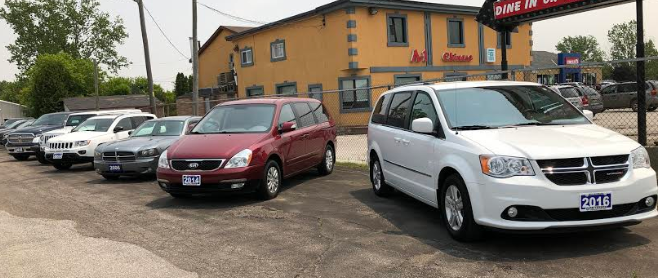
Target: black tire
{"points": [[377, 179], [328, 161], [180, 196], [634, 105], [42, 159], [271, 181], [62, 166], [468, 230], [652, 108], [21, 157], [111, 177]]}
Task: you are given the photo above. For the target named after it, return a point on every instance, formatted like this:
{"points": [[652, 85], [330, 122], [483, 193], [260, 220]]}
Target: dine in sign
{"points": [[509, 8]]}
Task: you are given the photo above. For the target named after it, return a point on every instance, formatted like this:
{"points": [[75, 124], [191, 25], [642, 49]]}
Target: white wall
{"points": [[10, 110]]}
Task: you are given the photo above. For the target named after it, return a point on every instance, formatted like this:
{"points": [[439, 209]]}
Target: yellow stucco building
{"points": [[351, 44]]}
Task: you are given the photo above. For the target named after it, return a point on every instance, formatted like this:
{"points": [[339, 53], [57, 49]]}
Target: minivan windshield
{"points": [[51, 119], [75, 120], [239, 118], [94, 125], [159, 128], [494, 107]]}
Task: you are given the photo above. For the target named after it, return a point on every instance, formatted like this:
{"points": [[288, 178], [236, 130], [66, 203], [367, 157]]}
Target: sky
{"points": [[175, 19]]}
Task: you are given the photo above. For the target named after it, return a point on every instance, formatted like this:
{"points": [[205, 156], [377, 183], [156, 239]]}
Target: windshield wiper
{"points": [[472, 127]]}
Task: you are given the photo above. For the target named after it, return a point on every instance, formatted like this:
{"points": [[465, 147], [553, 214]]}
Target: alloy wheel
{"points": [[272, 180], [329, 159], [454, 207], [376, 175]]}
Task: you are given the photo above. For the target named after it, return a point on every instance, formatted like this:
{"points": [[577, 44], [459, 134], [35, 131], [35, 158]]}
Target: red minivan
{"points": [[250, 146]]}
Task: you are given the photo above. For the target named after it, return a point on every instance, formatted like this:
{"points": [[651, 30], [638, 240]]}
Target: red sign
{"points": [[508, 8], [571, 61], [419, 57], [452, 57]]}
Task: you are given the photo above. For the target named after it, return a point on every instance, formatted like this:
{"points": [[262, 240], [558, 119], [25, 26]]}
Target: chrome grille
{"points": [[587, 170], [196, 165], [118, 156], [20, 138], [60, 146], [44, 138]]}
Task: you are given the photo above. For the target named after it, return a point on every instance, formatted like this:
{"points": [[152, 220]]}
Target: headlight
{"points": [[242, 159], [505, 166], [640, 158], [36, 140], [98, 154], [163, 162], [82, 143], [149, 152]]}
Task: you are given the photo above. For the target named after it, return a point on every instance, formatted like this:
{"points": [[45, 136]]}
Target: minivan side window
{"points": [[319, 112], [609, 90], [381, 109], [424, 108], [306, 117], [399, 110], [286, 114]]}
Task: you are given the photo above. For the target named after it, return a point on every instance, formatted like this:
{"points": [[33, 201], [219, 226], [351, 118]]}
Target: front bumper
{"points": [[23, 148], [72, 158], [141, 166], [491, 199], [241, 180]]}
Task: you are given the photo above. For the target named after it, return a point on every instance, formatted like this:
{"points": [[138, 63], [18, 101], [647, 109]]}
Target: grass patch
{"points": [[352, 165]]}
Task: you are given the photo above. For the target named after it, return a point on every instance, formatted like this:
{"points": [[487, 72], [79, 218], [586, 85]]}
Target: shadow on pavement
{"points": [[423, 222], [225, 200]]}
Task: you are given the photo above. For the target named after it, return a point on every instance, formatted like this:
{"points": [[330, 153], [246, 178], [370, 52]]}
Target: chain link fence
{"points": [[613, 104]]}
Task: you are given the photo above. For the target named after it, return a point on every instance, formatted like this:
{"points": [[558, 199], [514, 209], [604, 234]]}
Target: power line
{"points": [[165, 35], [232, 16]]}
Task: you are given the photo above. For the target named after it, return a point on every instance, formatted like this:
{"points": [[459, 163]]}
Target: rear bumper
{"points": [[72, 158], [141, 166]]}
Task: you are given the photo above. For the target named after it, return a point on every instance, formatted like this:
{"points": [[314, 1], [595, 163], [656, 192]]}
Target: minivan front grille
{"points": [[588, 170], [196, 165]]}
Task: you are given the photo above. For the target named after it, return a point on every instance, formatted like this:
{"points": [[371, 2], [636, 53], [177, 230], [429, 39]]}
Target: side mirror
{"points": [[589, 114], [287, 127], [190, 127], [118, 129], [422, 125], [130, 133]]}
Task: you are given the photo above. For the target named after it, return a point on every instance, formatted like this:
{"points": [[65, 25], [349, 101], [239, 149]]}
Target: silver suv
{"points": [[624, 95]]}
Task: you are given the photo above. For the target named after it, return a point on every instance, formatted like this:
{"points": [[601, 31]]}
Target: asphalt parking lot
{"points": [[66, 224]]}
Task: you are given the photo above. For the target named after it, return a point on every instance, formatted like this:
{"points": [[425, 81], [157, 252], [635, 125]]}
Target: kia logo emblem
{"points": [[193, 165]]}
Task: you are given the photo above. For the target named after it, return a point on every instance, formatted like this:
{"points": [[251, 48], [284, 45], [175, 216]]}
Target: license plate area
{"points": [[115, 168], [58, 156], [595, 201], [18, 150], [191, 180]]}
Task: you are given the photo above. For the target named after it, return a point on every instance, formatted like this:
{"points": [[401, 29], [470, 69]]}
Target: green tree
{"points": [[181, 84], [12, 91], [623, 38], [115, 86], [76, 27], [55, 77], [587, 46]]}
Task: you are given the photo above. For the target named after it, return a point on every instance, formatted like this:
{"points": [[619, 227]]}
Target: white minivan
{"points": [[506, 155]]}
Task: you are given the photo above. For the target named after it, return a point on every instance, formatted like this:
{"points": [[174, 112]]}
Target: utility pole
{"points": [[195, 62], [147, 56], [641, 95], [98, 106]]}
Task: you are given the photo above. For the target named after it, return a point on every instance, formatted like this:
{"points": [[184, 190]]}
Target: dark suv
{"points": [[624, 95], [21, 144]]}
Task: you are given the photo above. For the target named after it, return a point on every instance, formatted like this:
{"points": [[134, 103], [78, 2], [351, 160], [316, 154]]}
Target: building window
{"points": [[547, 79], [255, 91], [456, 32], [355, 94], [288, 89], [455, 76], [403, 79], [278, 50], [315, 91], [589, 79], [247, 57], [397, 30]]}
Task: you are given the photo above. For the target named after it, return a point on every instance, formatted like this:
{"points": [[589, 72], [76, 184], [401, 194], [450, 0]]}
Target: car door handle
{"points": [[405, 142], [397, 139], [305, 135]]}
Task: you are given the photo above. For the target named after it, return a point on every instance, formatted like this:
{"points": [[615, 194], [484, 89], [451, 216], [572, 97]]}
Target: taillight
{"points": [[585, 100], [654, 92]]}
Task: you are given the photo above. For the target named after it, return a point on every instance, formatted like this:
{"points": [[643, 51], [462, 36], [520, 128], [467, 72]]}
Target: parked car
{"points": [[250, 146], [624, 95], [23, 143], [8, 122], [14, 125], [138, 155], [509, 156], [591, 99], [78, 146], [569, 93], [73, 121]]}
